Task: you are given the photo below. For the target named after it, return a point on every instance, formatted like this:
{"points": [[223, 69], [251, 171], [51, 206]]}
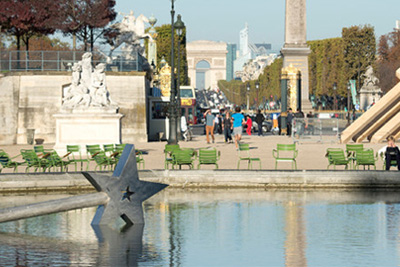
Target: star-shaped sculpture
{"points": [[125, 190]]}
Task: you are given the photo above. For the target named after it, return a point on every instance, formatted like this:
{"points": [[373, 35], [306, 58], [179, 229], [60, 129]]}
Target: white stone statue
{"points": [[76, 94], [370, 78], [98, 89], [130, 31], [88, 88]]}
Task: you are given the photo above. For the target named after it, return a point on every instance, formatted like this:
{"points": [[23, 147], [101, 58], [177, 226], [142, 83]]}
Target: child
{"points": [[249, 124]]}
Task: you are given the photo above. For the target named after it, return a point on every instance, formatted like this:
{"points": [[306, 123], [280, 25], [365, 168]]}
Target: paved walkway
{"points": [[311, 155]]}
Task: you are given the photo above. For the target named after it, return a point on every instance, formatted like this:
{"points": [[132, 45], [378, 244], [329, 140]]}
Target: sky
{"points": [[221, 20]]}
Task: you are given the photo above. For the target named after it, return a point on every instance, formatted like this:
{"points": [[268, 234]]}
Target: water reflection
{"points": [[219, 228]]}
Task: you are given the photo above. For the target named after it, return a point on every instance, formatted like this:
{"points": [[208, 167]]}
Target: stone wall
{"points": [[30, 99]]}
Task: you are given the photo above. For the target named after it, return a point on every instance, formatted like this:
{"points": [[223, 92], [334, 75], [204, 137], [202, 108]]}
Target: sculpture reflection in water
{"points": [[110, 250]]}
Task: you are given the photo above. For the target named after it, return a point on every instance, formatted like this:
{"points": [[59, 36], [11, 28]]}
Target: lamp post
{"points": [[173, 116], [257, 87], [248, 92], [179, 26], [334, 87], [348, 103]]}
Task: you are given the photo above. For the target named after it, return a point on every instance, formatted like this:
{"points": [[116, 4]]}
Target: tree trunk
{"points": [[91, 40]]}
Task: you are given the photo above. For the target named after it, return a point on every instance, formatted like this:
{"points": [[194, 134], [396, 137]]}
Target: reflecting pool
{"points": [[217, 228]]}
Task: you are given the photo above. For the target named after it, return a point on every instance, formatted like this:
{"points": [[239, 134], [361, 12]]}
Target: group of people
{"points": [[231, 124]]}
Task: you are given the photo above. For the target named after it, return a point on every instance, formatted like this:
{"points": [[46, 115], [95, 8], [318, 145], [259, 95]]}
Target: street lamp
{"points": [[248, 92], [179, 26], [257, 87], [334, 87], [173, 116]]}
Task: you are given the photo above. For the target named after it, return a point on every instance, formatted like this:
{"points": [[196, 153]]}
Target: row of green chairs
{"points": [[354, 157], [40, 159], [175, 156]]}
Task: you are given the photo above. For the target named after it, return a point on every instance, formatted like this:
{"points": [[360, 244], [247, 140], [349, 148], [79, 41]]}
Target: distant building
{"points": [[206, 63], [248, 51], [397, 24], [230, 59]]}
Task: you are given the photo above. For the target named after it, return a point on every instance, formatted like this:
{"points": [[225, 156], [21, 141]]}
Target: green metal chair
{"points": [[208, 157], [393, 163], [168, 154], [139, 158], [75, 156], [102, 161], [244, 155], [32, 160], [91, 151], [55, 161], [183, 157], [7, 162], [336, 157], [109, 149], [351, 151], [285, 153], [365, 158]]}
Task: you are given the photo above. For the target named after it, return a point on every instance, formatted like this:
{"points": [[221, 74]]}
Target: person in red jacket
{"points": [[249, 124]]}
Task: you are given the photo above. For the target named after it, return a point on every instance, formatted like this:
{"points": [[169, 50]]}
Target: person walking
{"points": [[227, 126], [184, 128], [249, 124], [289, 121], [210, 123], [259, 119], [238, 121]]}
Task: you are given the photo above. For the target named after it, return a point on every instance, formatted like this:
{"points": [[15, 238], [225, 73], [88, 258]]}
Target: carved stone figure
{"points": [[98, 89], [129, 31], [370, 78], [370, 92], [88, 88], [76, 94]]}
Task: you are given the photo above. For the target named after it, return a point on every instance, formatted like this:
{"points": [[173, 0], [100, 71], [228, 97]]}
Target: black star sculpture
{"points": [[125, 190]]}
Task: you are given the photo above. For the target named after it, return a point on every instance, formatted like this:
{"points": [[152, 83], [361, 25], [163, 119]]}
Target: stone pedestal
{"points": [[369, 95], [91, 126], [298, 58], [295, 50]]}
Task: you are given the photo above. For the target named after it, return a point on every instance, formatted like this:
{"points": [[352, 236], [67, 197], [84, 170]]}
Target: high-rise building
{"points": [[230, 59], [244, 41], [397, 24]]}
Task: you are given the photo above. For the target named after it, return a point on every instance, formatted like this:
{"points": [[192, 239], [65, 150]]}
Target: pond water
{"points": [[217, 228]]}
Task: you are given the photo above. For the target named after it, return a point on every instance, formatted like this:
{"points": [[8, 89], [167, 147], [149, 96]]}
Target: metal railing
{"points": [[317, 130], [63, 60]]}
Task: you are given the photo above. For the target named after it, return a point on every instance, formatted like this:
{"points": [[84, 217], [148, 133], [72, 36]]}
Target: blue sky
{"points": [[221, 20]]}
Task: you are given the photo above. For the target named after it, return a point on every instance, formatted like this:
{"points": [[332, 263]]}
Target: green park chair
{"points": [[34, 161], [393, 163], [91, 151], [208, 157], [75, 157], [168, 154], [7, 162], [118, 149], [183, 157], [285, 153], [351, 151], [103, 162], [139, 159], [109, 149], [336, 157], [55, 161], [365, 158], [244, 155]]}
